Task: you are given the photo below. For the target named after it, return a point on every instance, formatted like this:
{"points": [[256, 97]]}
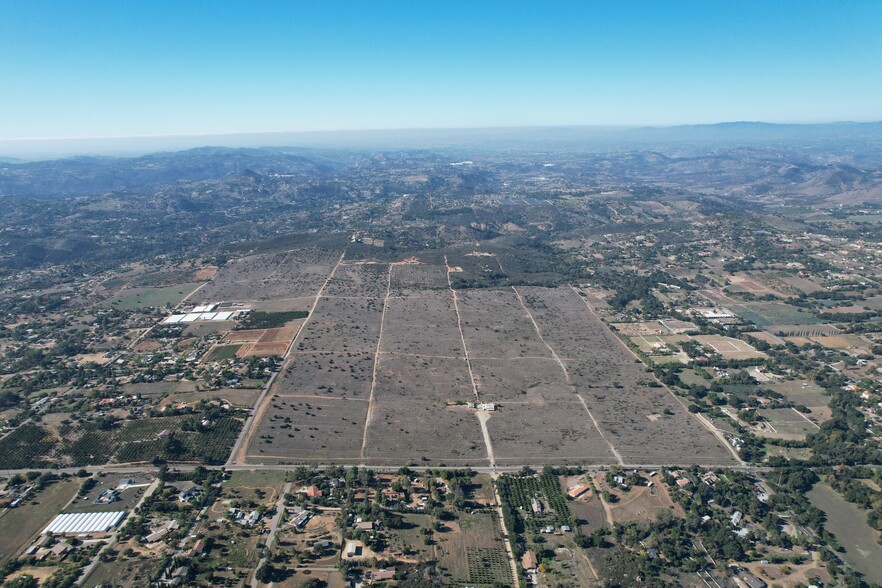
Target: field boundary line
{"points": [[370, 409], [811, 422], [482, 419], [563, 368], [239, 452], [318, 397], [707, 425]]}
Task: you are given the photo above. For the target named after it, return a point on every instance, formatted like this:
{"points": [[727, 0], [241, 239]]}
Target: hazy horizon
{"points": [[35, 149], [162, 69]]}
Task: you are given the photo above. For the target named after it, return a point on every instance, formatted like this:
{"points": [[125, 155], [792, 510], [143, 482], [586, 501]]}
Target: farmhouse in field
{"points": [[529, 561]]}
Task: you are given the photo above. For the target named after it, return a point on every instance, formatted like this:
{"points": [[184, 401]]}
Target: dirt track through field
{"points": [[239, 454], [482, 418], [566, 375], [370, 410], [707, 425]]}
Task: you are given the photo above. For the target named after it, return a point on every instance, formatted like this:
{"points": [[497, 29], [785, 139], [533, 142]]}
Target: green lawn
{"points": [[223, 352], [849, 524], [132, 298], [774, 313], [18, 525]]}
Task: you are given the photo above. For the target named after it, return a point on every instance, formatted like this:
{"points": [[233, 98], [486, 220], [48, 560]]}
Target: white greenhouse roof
{"points": [[84, 522]]}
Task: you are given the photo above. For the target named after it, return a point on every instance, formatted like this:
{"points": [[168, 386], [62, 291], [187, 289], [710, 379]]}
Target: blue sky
{"points": [[127, 68]]}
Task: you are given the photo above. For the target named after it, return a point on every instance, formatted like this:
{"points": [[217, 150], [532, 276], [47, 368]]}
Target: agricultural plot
{"points": [[271, 276], [423, 325], [132, 441], [802, 392], [418, 278], [849, 524], [751, 284], [802, 284], [417, 431], [524, 381], [423, 378], [19, 525], [644, 422], [142, 441], [774, 313], [343, 324], [473, 552], [728, 347], [221, 352], [261, 319], [767, 337], [549, 411], [341, 375], [263, 342], [537, 501], [495, 325], [26, 447], [204, 328], [784, 423], [310, 428], [802, 330], [241, 397], [559, 432], [854, 343], [367, 280]]}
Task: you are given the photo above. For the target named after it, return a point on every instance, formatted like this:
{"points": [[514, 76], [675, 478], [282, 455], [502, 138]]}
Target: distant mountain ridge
{"points": [[594, 138], [83, 175], [746, 158]]}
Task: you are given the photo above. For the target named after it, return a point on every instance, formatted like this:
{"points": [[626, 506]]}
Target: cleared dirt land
{"points": [[383, 369], [271, 276], [644, 422]]}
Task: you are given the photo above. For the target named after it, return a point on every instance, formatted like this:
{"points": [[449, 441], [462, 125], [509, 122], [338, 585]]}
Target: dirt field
{"points": [[767, 337], [495, 325], [533, 381], [427, 379], [271, 276], [341, 375], [615, 387], [728, 347], [640, 502], [343, 324], [417, 279], [564, 386], [642, 328], [417, 431], [422, 325], [854, 343], [366, 280], [559, 433], [309, 428]]}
